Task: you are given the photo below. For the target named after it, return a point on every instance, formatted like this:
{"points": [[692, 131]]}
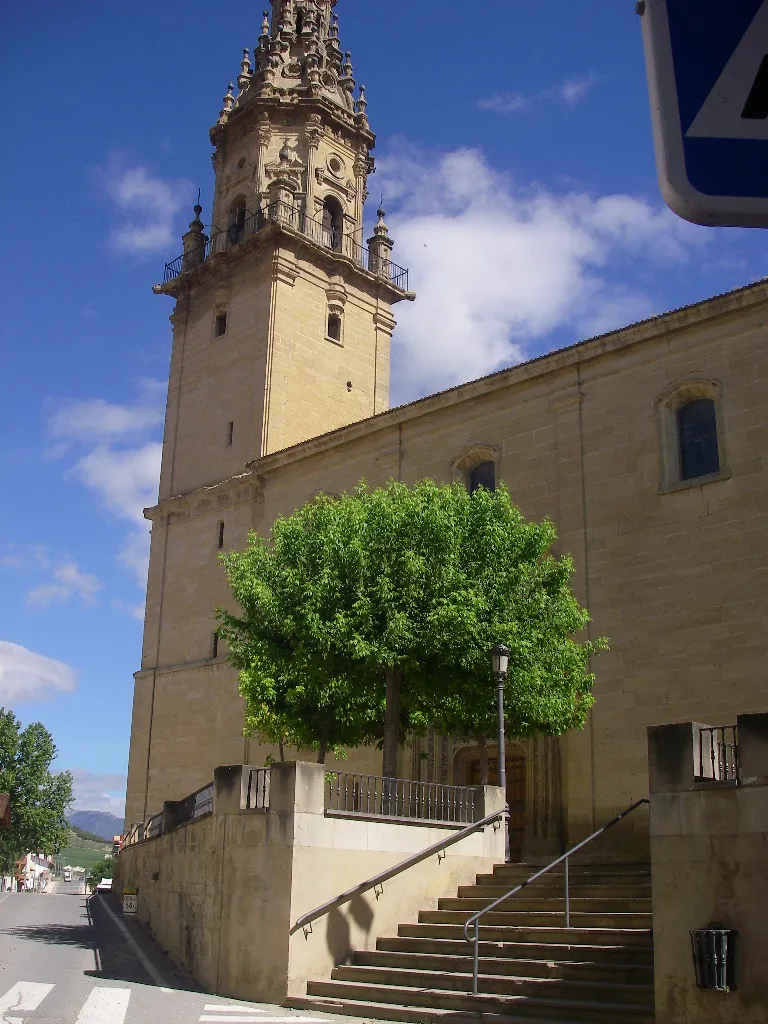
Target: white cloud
{"points": [[148, 204], [498, 268], [26, 677], [68, 581], [96, 420], [571, 91], [121, 462], [124, 478], [98, 792]]}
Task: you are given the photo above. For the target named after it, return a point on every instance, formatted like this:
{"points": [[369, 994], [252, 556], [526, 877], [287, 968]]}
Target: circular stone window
{"points": [[336, 165]]}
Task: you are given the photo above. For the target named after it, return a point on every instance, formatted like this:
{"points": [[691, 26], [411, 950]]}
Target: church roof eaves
{"points": [[593, 348]]}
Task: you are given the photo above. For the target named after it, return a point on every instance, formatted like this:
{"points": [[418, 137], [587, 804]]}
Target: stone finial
{"points": [[229, 102], [244, 78], [285, 153], [380, 246], [194, 240], [362, 104], [333, 32], [346, 68], [381, 227]]}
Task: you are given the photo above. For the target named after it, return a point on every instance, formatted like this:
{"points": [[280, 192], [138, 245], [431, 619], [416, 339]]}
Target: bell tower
{"points": [[283, 316], [281, 332]]}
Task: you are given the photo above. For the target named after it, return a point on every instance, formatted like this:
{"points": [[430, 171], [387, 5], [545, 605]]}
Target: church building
{"points": [[645, 446]]}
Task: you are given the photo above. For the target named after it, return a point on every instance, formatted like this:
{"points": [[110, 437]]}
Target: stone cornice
{"points": [[580, 353], [204, 500]]}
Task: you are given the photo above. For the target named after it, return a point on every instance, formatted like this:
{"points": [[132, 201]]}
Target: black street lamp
{"points": [[500, 662]]}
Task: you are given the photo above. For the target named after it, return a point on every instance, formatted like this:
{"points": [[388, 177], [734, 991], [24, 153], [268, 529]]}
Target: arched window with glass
{"points": [[697, 439], [482, 475]]}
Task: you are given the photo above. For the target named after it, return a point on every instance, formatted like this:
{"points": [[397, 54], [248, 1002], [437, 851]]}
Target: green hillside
{"points": [[83, 850]]}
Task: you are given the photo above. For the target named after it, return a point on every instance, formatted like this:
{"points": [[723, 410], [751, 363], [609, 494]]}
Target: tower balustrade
{"points": [[288, 217]]}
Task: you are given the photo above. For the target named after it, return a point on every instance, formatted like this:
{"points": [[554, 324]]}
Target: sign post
{"points": [[707, 67]]}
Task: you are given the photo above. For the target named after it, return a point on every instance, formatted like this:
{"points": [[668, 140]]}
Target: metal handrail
{"points": [[475, 919], [384, 876]]}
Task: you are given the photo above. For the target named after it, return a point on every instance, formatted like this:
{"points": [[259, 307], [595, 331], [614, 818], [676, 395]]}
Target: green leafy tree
{"points": [[371, 615], [101, 869], [39, 798]]}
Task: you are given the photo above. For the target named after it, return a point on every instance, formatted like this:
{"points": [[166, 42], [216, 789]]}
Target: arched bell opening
{"points": [[238, 215], [333, 224]]}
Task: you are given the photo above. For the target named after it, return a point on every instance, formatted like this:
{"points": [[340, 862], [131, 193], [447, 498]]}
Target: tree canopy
{"points": [[372, 614], [102, 869], [39, 798]]}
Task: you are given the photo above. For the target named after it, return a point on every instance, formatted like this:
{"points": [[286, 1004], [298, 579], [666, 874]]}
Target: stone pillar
{"points": [[361, 175], [313, 132], [264, 134], [577, 752]]}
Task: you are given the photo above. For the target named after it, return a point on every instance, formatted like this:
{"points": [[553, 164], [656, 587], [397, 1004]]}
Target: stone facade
{"points": [[709, 847], [673, 571]]}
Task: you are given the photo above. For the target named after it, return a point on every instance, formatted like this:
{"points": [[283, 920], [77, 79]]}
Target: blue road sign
{"points": [[708, 79]]}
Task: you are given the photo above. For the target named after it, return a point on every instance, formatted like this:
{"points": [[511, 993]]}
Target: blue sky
{"points": [[516, 161]]}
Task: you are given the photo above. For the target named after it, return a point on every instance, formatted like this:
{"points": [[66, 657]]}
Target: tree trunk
{"points": [[480, 740], [282, 749], [392, 723], [323, 745]]}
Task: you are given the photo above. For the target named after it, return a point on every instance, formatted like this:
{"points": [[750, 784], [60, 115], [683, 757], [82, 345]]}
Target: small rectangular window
{"points": [[221, 535], [215, 646], [230, 434], [220, 326]]}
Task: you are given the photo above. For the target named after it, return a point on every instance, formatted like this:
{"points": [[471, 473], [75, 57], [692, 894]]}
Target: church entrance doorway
{"points": [[515, 795]]}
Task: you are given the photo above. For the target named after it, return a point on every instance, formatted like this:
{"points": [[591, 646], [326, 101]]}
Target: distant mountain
{"points": [[99, 823]]}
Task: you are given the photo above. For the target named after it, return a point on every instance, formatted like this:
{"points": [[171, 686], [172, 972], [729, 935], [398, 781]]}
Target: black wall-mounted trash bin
{"points": [[713, 958]]}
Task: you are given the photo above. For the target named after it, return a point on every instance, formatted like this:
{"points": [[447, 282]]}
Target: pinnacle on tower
{"points": [[298, 54]]}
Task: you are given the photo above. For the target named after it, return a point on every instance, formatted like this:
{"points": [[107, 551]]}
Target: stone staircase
{"points": [[598, 971]]}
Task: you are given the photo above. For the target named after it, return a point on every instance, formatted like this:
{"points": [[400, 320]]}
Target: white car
{"points": [[105, 885]]}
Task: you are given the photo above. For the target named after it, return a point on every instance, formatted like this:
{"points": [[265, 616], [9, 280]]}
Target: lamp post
{"points": [[500, 662]]}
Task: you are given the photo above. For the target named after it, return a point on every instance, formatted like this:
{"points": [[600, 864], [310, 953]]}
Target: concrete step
{"points": [[544, 918], [607, 872], [487, 885], [578, 1011], [548, 952], [415, 1014], [562, 969], [524, 902], [501, 985], [625, 937]]}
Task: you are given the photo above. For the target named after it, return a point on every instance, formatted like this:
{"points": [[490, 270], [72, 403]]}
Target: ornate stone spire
{"points": [[298, 53]]}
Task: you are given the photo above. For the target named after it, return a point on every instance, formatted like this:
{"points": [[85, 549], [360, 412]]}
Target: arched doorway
{"points": [[515, 764]]}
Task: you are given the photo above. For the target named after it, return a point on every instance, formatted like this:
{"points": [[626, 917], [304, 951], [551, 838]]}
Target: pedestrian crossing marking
{"points": [[214, 1012], [105, 1006], [25, 996], [231, 1009]]}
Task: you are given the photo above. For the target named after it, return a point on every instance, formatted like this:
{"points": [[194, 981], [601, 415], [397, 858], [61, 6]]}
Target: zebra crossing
{"points": [[109, 1005], [219, 1012]]}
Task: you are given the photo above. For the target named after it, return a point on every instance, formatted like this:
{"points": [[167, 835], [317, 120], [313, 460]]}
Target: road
{"points": [[66, 959]]}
